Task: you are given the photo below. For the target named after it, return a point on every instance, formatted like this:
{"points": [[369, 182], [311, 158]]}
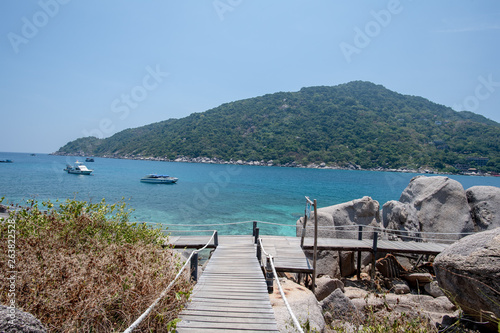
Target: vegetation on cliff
{"points": [[358, 123], [82, 267]]}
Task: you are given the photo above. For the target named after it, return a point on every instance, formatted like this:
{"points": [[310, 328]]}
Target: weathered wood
{"points": [[231, 294]]}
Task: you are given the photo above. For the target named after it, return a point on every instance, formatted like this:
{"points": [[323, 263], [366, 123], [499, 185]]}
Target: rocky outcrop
{"points": [[364, 211], [303, 303], [430, 204], [340, 307], [401, 219], [469, 270], [325, 286], [484, 202], [435, 308], [14, 320]]}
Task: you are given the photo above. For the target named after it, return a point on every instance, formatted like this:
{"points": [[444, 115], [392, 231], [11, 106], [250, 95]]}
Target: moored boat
{"points": [[78, 169], [159, 179]]}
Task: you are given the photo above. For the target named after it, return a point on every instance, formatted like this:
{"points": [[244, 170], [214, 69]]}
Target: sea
{"points": [[207, 196]]}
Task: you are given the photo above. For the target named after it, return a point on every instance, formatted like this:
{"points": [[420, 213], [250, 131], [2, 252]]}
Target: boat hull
{"points": [[159, 181]]}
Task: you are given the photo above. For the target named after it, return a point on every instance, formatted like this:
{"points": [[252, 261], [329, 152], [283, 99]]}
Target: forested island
{"points": [[357, 125]]}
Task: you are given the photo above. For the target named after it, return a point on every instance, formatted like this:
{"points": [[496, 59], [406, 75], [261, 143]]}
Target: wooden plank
{"points": [[231, 294]]}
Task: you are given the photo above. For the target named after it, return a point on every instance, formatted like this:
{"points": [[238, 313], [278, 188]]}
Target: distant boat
{"points": [[159, 179], [33, 154], [89, 159], [6, 161], [78, 169]]}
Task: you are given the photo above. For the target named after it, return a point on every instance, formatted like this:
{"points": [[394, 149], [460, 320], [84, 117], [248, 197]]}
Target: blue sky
{"points": [[73, 68]]}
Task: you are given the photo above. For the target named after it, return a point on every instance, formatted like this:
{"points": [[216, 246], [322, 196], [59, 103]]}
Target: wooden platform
{"points": [[231, 294], [367, 245]]}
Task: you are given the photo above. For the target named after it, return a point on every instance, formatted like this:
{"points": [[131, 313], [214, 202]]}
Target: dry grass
{"points": [[82, 268]]}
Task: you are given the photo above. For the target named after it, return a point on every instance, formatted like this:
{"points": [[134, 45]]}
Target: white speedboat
{"points": [[159, 179], [78, 169]]}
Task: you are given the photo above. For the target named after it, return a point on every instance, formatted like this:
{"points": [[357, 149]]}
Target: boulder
{"points": [[327, 262], [303, 303], [364, 211], [415, 305], [400, 287], [469, 272], [325, 285], [341, 307], [484, 202], [13, 320], [400, 220], [432, 288], [440, 205]]}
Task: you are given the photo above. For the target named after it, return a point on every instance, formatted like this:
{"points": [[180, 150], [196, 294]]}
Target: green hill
{"points": [[357, 123]]}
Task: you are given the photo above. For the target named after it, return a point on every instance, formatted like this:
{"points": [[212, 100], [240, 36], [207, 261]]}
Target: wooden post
{"points": [[254, 227], [216, 239], [269, 276], [256, 236], [315, 245], [374, 252], [360, 237], [303, 235], [194, 267], [259, 253]]}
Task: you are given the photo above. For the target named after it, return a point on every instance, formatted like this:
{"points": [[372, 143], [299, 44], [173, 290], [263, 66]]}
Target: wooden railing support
{"points": [[254, 227], [216, 238], [194, 267], [259, 253], [256, 236], [360, 237], [269, 276], [315, 245], [374, 253]]}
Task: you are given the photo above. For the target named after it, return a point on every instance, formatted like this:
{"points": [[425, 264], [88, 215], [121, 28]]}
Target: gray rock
{"points": [[401, 220], [341, 307], [400, 287], [303, 303], [364, 211], [325, 285], [440, 204], [14, 320], [432, 288], [327, 262], [484, 202], [469, 271]]}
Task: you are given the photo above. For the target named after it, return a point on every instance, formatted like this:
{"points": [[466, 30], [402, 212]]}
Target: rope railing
{"points": [[408, 234], [270, 257], [164, 292]]}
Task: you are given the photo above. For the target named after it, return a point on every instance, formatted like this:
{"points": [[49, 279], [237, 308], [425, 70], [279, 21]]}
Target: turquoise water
{"points": [[205, 193]]}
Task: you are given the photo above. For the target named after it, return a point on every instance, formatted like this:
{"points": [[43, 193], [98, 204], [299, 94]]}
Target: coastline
{"points": [[271, 163]]}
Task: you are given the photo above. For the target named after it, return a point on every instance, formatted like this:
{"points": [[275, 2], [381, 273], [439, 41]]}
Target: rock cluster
{"points": [[469, 271]]}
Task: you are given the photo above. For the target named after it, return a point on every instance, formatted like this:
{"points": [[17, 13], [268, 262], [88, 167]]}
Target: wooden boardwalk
{"points": [[367, 245], [231, 295]]}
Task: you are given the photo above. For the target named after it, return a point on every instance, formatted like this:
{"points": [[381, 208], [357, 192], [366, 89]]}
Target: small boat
{"points": [[6, 161], [78, 169], [89, 159], [159, 179]]}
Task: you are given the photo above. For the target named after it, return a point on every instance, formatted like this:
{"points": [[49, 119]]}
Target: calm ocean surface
{"points": [[205, 193]]}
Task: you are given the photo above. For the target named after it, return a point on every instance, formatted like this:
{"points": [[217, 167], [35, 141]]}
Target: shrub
{"points": [[82, 267]]}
